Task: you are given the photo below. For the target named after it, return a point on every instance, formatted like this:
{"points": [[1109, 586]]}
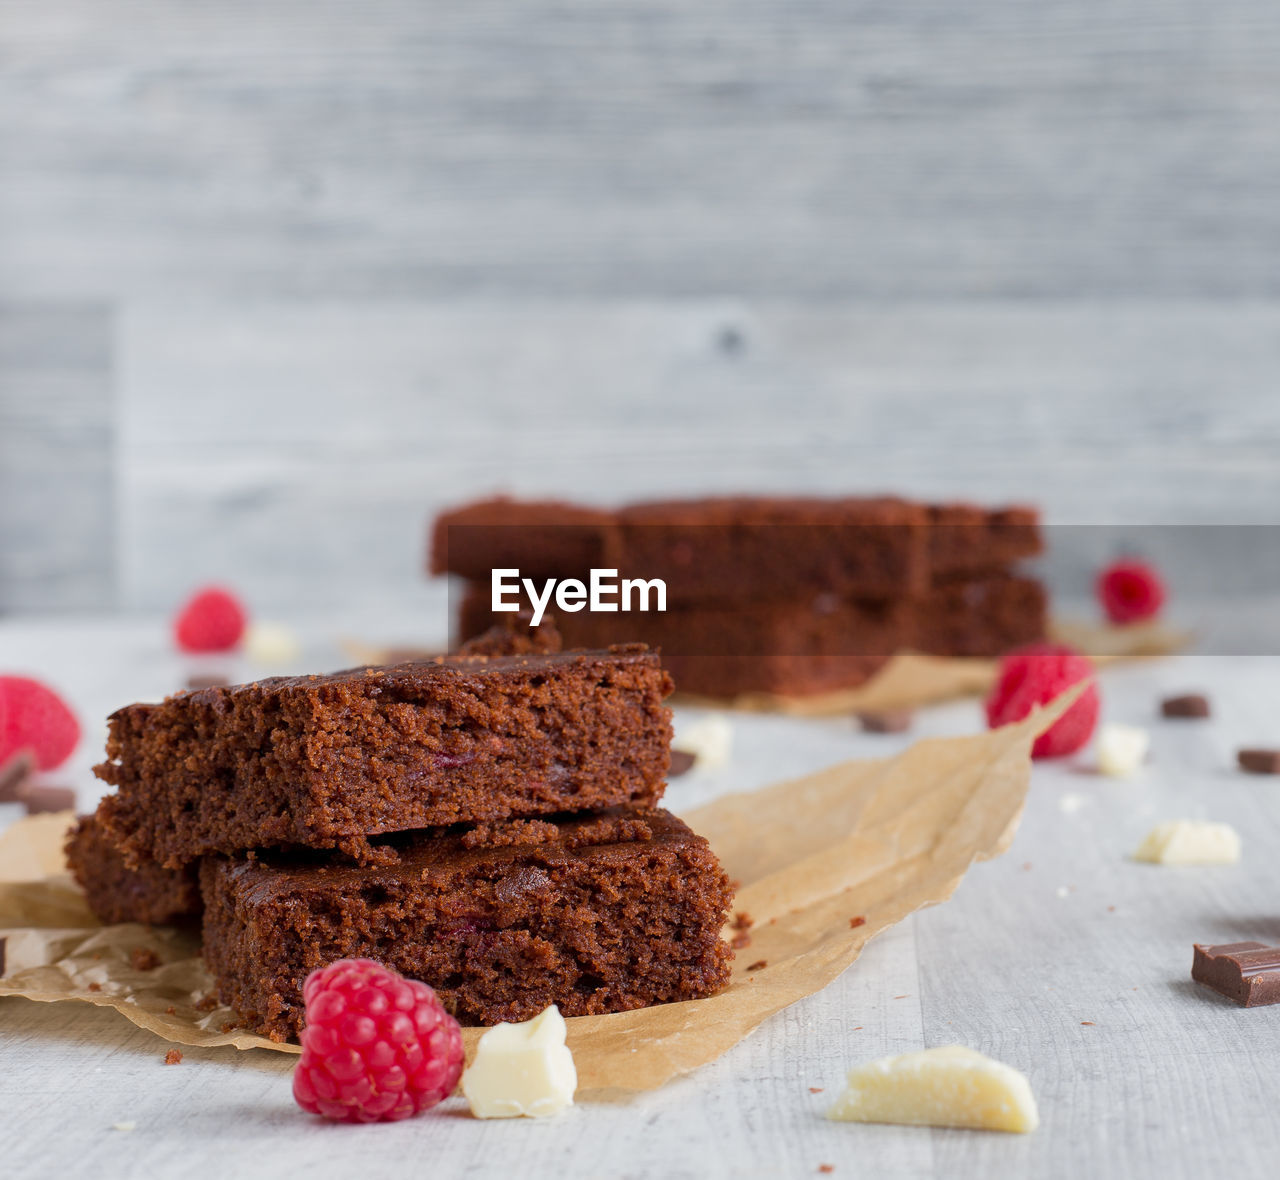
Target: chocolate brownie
{"points": [[596, 913], [967, 539], [740, 546], [984, 617], [725, 549], [117, 893], [540, 538], [325, 761], [817, 644]]}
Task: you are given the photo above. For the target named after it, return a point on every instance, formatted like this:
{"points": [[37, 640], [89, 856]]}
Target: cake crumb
{"points": [[230, 1024], [207, 1003], [742, 921], [758, 965], [171, 1011], [854, 923], [740, 941], [95, 987], [144, 959], [173, 1057], [826, 1168], [815, 1089], [1088, 1022]]}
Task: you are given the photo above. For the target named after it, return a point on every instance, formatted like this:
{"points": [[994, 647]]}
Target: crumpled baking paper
{"points": [[871, 840]]}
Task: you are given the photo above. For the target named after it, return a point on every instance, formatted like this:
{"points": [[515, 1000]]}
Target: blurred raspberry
{"points": [[1033, 676], [376, 1046], [211, 620], [1130, 591], [34, 717]]}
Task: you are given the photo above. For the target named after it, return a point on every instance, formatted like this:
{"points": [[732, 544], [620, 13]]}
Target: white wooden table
{"points": [[1063, 958]]}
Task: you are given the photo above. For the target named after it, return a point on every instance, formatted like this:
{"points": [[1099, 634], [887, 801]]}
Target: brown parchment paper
{"points": [[875, 840]]}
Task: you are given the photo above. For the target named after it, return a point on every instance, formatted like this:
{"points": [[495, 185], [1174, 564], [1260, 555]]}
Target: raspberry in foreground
{"points": [[33, 717], [375, 1047], [1033, 676], [212, 619], [1130, 591]]}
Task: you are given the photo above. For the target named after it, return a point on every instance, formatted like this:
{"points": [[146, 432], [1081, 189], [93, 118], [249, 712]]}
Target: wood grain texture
{"points": [[301, 448], [774, 149], [1167, 1081], [57, 529]]}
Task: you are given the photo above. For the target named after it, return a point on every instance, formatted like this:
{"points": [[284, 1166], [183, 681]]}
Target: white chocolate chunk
{"points": [[947, 1087], [1121, 749], [271, 644], [1189, 842], [522, 1069], [709, 740]]}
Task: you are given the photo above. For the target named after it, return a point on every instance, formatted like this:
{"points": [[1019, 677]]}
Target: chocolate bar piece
{"points": [[886, 721], [38, 798], [1192, 704], [14, 775], [1246, 972], [596, 913], [1259, 761], [326, 761]]}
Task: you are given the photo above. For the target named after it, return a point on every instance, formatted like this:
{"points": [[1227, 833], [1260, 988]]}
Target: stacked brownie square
{"points": [[786, 596], [486, 823]]}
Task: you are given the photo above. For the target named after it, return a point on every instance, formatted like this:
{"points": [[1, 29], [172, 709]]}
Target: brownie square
{"points": [[325, 761], [730, 548], [965, 539], [116, 893], [597, 913], [540, 538]]}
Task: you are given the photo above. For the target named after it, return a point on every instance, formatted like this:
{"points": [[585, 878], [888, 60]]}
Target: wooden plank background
{"points": [[315, 270]]}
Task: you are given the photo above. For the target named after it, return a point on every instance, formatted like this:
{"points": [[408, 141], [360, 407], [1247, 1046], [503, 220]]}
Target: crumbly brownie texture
{"points": [[817, 645], [540, 538], [117, 893], [515, 635], [603, 914], [325, 761]]}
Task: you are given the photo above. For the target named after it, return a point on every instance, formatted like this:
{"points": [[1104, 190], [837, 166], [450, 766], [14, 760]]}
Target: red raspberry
{"points": [[1034, 675], [376, 1046], [1130, 591], [211, 620], [35, 717]]}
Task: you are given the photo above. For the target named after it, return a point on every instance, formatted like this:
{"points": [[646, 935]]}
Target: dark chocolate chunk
{"points": [[200, 680], [681, 763], [886, 721], [1192, 704], [14, 775], [1246, 972], [41, 798], [1259, 761]]}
